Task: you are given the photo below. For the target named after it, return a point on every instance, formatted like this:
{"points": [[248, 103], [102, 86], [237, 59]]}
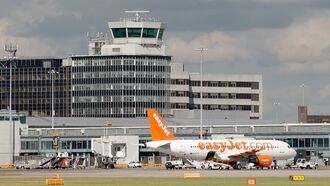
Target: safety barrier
{"points": [[143, 165], [190, 175], [120, 165], [7, 166], [152, 165], [251, 181], [297, 178], [55, 181]]}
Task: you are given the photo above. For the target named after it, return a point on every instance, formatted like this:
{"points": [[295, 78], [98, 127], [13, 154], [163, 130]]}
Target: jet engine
{"points": [[262, 160]]}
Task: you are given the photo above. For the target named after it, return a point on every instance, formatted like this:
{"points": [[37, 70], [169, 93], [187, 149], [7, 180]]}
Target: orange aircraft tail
{"points": [[159, 129]]}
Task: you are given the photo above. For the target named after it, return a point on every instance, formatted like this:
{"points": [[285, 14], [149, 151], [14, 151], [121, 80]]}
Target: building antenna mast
{"points": [[11, 48], [137, 13]]}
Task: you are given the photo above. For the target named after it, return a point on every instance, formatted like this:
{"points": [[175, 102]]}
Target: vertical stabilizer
{"points": [[159, 129]]}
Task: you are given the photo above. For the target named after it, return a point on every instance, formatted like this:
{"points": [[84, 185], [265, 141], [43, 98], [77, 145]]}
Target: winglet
{"points": [[159, 129]]}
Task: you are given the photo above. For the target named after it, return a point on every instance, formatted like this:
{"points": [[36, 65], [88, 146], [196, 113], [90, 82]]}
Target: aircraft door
{"points": [[182, 149]]}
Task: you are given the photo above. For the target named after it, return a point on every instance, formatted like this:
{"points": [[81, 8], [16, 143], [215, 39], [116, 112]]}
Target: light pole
{"points": [[39, 140], [303, 93], [201, 91], [52, 72], [276, 105], [11, 49]]}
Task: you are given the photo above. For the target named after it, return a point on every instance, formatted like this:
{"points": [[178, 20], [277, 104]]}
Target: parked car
{"points": [[134, 164], [173, 165], [169, 165]]}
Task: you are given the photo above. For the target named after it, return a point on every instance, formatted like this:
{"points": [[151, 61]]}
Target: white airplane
{"points": [[259, 152]]}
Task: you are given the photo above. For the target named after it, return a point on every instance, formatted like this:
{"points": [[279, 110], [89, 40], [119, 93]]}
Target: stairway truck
{"points": [[64, 163]]}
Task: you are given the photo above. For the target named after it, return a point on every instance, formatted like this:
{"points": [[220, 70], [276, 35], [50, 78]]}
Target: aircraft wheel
{"points": [[238, 166]]}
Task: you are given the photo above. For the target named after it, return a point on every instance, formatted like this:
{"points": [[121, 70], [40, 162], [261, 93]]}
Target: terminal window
{"points": [[119, 32], [134, 32], [160, 34], [149, 32]]}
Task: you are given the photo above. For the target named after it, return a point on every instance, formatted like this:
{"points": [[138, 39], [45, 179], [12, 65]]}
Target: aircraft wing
{"points": [[159, 144], [236, 155], [165, 145], [244, 154]]}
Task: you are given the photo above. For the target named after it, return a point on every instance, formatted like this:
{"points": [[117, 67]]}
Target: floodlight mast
{"points": [[12, 49], [201, 50]]}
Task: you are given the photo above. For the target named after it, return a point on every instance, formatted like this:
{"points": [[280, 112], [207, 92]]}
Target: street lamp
{"points": [[201, 91], [39, 140], [52, 72], [276, 105], [303, 93]]}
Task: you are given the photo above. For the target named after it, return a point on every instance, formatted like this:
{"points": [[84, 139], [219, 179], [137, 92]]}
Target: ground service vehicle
{"points": [[302, 163], [173, 165], [134, 164]]}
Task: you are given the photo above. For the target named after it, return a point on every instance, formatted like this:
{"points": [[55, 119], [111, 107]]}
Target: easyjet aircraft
{"points": [[260, 152]]}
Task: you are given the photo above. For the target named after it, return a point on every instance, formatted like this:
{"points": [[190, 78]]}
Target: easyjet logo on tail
{"points": [[161, 124], [158, 128]]}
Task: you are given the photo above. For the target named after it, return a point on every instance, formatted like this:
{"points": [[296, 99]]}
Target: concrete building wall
{"points": [[302, 114], [8, 146], [304, 117], [220, 91]]}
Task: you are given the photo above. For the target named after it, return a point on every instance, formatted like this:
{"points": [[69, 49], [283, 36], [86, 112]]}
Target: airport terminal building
{"points": [[125, 73], [309, 139], [224, 92], [103, 97]]}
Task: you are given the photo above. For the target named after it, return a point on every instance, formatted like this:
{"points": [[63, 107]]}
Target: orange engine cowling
{"points": [[264, 160]]}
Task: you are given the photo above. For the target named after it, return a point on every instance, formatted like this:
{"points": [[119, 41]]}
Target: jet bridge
{"points": [[122, 149]]}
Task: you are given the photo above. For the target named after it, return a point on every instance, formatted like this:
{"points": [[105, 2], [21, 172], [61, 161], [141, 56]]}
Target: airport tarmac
{"points": [[161, 172]]}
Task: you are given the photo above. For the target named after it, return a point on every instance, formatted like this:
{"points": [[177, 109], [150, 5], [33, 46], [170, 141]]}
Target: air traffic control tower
{"points": [[126, 72], [136, 36]]}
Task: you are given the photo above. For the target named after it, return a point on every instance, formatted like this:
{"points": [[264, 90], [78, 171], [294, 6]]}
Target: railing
{"points": [[187, 130]]}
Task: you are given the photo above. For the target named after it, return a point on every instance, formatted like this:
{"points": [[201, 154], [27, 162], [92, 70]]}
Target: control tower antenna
{"points": [[137, 13]]}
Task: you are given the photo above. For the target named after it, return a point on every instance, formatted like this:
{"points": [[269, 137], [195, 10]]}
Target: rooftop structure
{"points": [[133, 35], [304, 117]]}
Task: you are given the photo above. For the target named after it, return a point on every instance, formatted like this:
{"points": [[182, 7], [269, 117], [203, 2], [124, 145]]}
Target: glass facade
{"points": [[160, 34], [79, 144], [32, 87], [308, 142], [120, 86], [149, 32], [119, 32], [136, 32]]}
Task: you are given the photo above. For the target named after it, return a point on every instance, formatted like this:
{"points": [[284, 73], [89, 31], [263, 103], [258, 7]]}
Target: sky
{"points": [[286, 41]]}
